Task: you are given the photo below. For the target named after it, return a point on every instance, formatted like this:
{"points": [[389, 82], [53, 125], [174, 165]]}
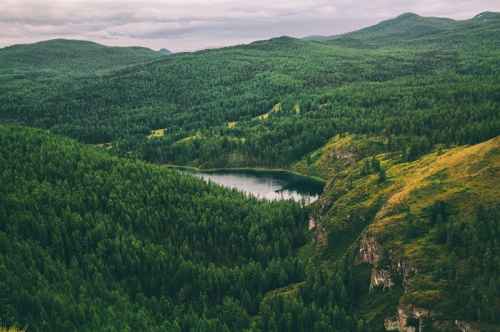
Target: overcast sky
{"points": [[185, 25]]}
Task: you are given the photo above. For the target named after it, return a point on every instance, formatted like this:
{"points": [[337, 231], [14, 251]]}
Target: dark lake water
{"points": [[270, 185]]}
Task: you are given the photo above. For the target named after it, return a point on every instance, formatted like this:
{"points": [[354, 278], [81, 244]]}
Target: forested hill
{"points": [[70, 56], [410, 28], [405, 26], [426, 231], [90, 242], [165, 51], [271, 103], [401, 119]]}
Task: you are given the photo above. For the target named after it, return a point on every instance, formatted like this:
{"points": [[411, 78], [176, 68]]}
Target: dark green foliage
{"points": [[467, 275], [89, 241], [416, 95], [93, 242], [325, 302], [474, 267]]}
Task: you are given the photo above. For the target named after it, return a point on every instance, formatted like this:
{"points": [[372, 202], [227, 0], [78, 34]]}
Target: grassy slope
{"points": [[357, 205], [338, 154]]}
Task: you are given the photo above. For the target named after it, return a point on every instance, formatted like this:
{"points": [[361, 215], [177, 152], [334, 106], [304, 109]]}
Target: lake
{"points": [[267, 184]]}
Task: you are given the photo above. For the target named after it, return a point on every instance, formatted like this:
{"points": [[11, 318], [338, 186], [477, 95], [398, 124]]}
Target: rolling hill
{"points": [[402, 121], [165, 51], [195, 97], [410, 28], [71, 56]]}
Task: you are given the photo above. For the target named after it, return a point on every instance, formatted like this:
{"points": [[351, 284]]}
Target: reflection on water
{"points": [[267, 185]]}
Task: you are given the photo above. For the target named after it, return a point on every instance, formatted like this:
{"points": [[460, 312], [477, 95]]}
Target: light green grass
{"points": [[157, 133]]}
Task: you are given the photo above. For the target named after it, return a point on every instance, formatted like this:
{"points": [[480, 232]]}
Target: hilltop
{"points": [[71, 55], [411, 28], [165, 51]]}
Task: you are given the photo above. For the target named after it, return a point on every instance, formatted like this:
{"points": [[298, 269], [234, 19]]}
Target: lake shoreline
{"points": [[256, 170]]}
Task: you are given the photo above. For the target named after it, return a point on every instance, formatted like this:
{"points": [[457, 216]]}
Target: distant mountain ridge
{"points": [[410, 26], [57, 53], [165, 51]]}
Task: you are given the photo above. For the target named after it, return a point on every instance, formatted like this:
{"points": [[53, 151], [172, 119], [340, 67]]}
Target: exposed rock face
{"points": [[411, 318], [465, 326], [369, 251], [348, 157], [405, 270], [381, 278], [312, 223], [319, 231], [391, 324], [385, 271]]}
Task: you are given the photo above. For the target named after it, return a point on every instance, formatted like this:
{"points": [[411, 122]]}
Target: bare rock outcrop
{"points": [[381, 278], [370, 251], [464, 326], [412, 318], [391, 324]]}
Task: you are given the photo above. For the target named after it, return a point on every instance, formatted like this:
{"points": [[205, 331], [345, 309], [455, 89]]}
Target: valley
{"points": [[347, 183]]}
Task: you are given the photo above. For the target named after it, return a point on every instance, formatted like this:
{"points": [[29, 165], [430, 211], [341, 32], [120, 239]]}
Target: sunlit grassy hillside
{"points": [[428, 229]]}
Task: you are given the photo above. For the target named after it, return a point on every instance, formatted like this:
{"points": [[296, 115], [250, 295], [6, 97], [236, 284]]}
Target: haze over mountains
{"points": [[401, 120]]}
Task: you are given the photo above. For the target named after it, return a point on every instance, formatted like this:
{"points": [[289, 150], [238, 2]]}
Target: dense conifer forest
{"points": [[401, 120], [104, 243], [273, 102]]}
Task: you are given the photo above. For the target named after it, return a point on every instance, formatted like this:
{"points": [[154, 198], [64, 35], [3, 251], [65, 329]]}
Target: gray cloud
{"points": [[196, 24]]}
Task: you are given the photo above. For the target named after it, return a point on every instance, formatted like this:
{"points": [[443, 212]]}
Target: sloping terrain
{"points": [[91, 242], [215, 105], [405, 27], [88, 241], [413, 30], [402, 119], [429, 230]]}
